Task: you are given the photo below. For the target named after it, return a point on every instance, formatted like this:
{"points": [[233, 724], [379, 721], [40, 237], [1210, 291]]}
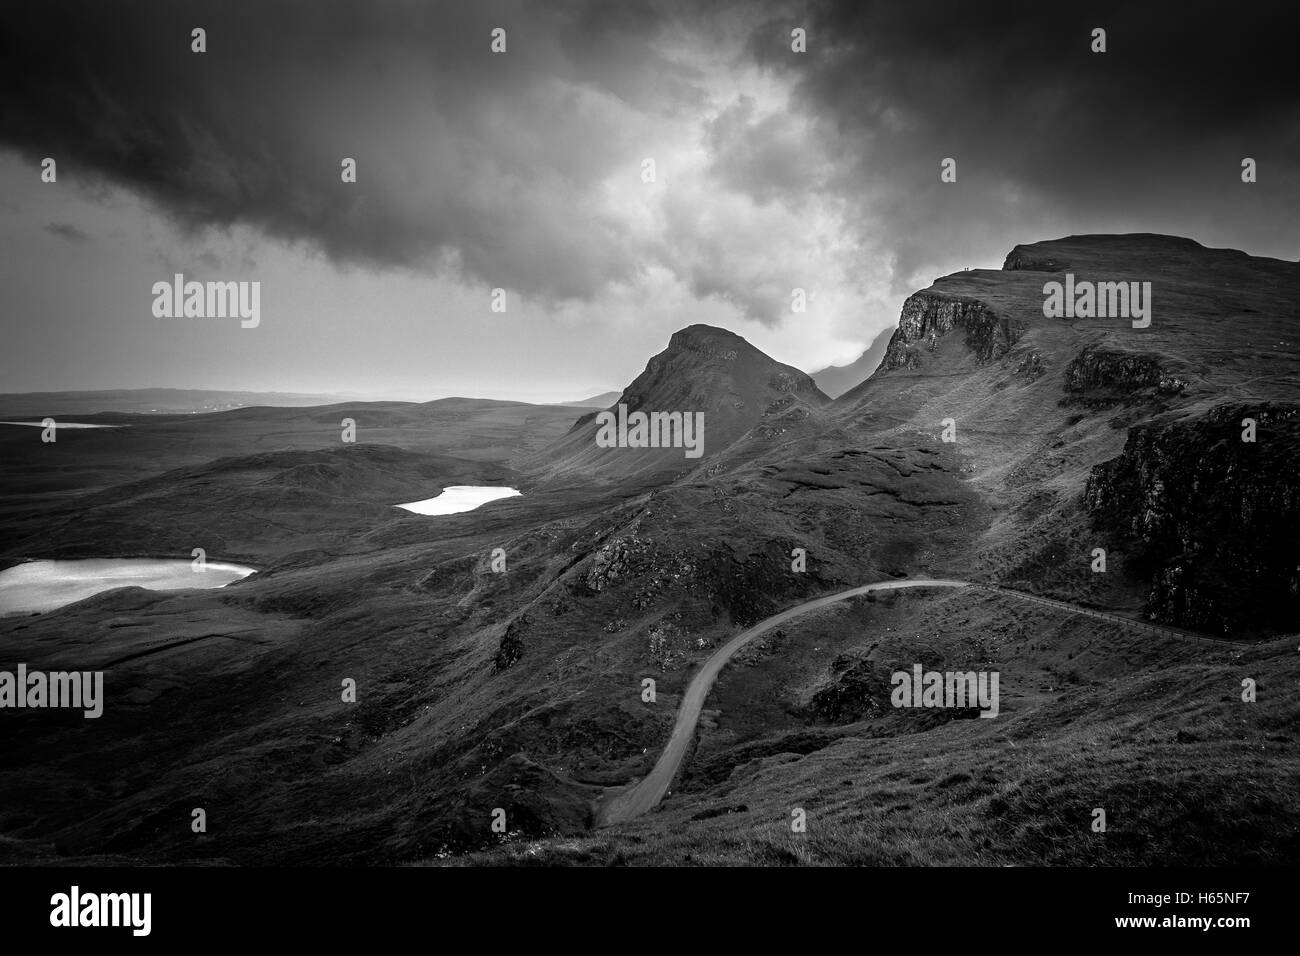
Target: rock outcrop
{"points": [[1101, 376], [511, 647], [1212, 520], [929, 316], [1024, 258]]}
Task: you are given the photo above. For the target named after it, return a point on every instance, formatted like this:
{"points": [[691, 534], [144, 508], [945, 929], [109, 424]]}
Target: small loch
{"points": [[46, 585], [458, 498]]}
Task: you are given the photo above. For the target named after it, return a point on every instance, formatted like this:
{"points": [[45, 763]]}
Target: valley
{"points": [[514, 682]]}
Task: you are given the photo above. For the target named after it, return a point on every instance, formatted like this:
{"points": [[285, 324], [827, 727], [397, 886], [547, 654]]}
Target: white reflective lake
{"points": [[457, 498], [46, 585]]}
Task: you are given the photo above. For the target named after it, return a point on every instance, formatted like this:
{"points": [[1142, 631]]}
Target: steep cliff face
{"points": [[1213, 520], [928, 316]]}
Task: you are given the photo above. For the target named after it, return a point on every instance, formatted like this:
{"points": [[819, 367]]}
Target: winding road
{"points": [[640, 797]]}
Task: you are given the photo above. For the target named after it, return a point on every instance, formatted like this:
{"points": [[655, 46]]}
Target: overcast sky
{"points": [[524, 170]]}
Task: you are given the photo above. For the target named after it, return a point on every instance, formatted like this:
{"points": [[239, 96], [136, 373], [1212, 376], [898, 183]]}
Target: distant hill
{"points": [[186, 401], [603, 400], [835, 380], [703, 369], [160, 401]]}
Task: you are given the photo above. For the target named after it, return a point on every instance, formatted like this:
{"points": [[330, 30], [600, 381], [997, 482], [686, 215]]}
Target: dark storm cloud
{"points": [[1156, 126], [482, 161], [65, 230], [496, 166]]}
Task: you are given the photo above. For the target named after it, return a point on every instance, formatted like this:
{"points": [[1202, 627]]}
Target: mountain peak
{"points": [[708, 339], [702, 331], [706, 370], [709, 366]]}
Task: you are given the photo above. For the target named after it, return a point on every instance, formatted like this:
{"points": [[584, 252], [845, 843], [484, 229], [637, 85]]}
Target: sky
{"points": [[525, 170]]}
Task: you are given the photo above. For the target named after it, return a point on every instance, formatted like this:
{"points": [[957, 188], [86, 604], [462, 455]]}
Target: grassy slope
{"points": [[1191, 773], [1152, 731]]}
